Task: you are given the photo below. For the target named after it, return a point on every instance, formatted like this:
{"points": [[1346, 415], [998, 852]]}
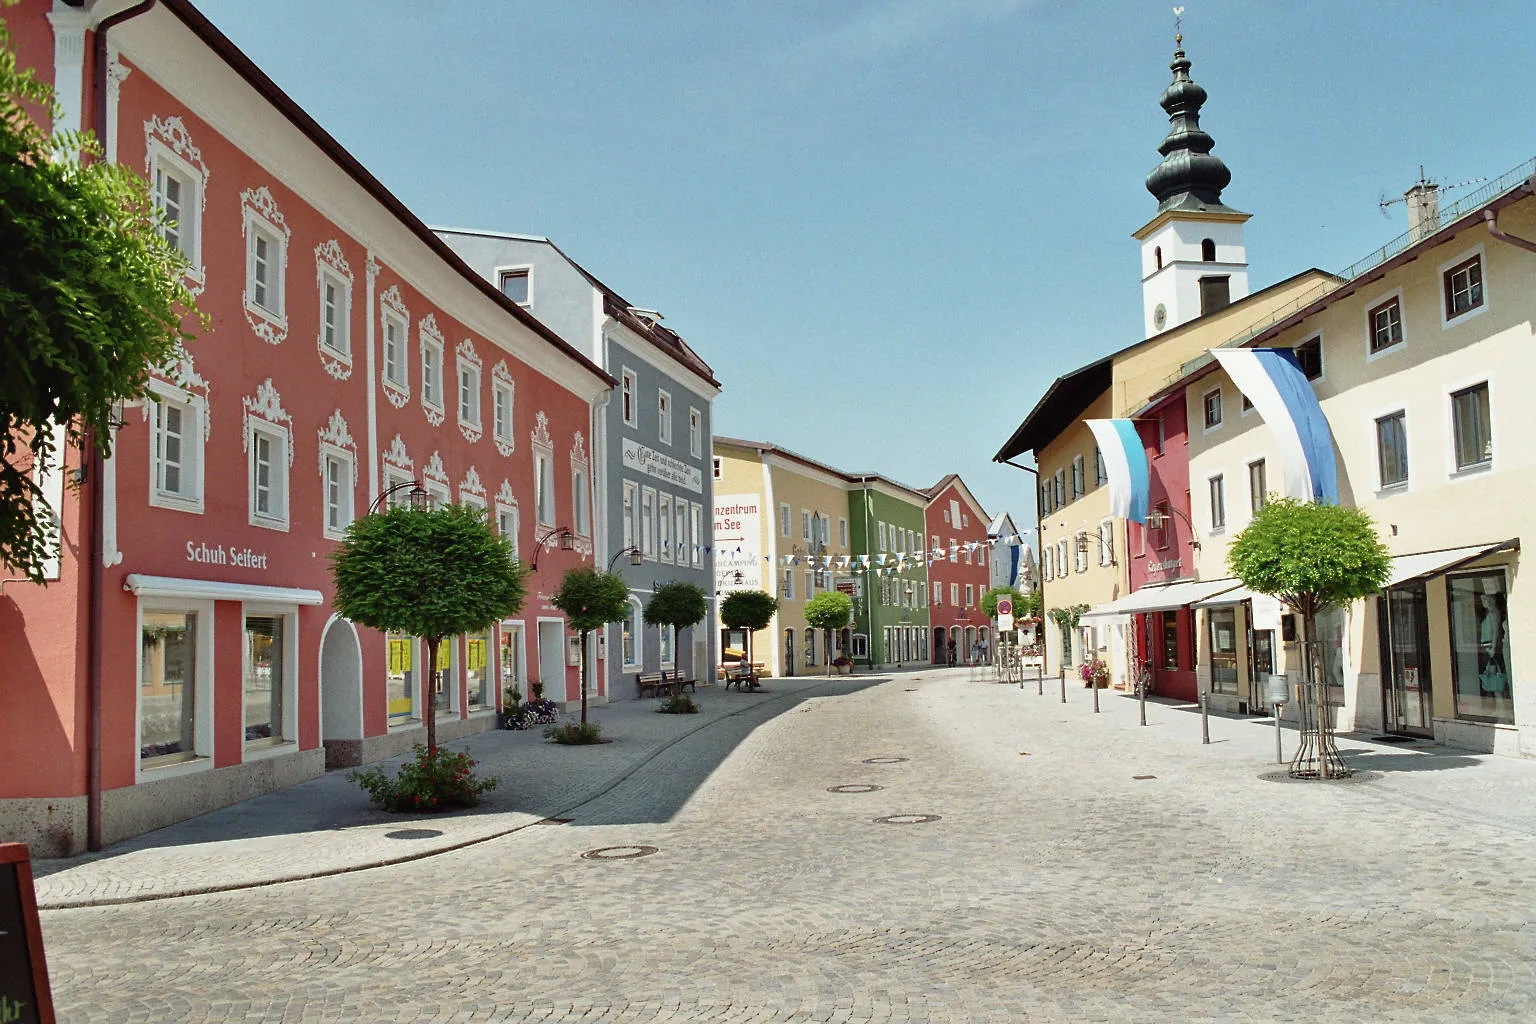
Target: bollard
{"points": [[1095, 684], [1062, 674], [1040, 679], [1279, 750], [1141, 702], [1205, 720]]}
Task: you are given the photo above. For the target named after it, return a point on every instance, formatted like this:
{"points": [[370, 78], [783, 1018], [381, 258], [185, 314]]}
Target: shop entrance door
{"points": [[1404, 630]]}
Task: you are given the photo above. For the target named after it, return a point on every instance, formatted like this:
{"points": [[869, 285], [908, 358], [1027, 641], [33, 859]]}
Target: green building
{"points": [[887, 545]]}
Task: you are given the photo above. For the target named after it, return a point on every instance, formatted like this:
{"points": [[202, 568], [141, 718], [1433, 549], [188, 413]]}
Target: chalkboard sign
{"points": [[24, 995]]}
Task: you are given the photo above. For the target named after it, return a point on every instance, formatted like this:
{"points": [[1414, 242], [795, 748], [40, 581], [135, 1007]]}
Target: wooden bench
{"points": [[742, 675], [660, 684]]}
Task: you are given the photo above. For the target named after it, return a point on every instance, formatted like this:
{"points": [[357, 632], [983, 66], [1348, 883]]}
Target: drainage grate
{"points": [[619, 852], [413, 833], [906, 819], [885, 760], [1357, 776], [854, 788]]}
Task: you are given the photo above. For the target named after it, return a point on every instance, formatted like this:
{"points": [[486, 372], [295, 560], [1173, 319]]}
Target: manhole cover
{"points": [[854, 788], [884, 760], [907, 819], [413, 833], [1284, 776], [619, 852]]}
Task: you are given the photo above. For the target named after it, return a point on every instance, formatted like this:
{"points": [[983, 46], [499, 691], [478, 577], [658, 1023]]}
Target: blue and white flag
{"points": [[1125, 461], [1272, 380]]}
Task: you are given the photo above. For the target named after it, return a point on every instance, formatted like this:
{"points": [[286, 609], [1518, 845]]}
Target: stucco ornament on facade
{"points": [[435, 470], [504, 495], [431, 336], [540, 434], [171, 135], [470, 486], [336, 435], [117, 73], [465, 355], [397, 392], [178, 371], [395, 457], [258, 204], [328, 256], [499, 373], [265, 405]]}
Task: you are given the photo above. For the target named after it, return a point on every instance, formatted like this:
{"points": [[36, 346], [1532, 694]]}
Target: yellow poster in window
{"points": [[444, 655], [476, 653], [401, 653]]}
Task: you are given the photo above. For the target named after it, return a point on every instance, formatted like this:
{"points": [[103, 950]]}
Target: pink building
{"points": [[957, 569], [186, 655]]}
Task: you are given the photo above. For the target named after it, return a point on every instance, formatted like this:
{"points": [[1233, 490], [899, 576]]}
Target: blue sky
{"points": [[889, 225]]}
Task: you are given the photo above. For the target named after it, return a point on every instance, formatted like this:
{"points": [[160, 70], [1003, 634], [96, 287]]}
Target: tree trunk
{"points": [[582, 681], [429, 691], [827, 651]]}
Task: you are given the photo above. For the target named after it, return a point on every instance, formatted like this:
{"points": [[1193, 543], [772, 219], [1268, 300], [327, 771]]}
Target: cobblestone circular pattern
{"points": [[885, 760], [1285, 776], [619, 852], [854, 788], [906, 819]]}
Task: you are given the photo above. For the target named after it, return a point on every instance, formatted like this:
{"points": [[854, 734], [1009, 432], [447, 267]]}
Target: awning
{"points": [[1237, 596], [217, 590], [1162, 598], [1406, 568]]}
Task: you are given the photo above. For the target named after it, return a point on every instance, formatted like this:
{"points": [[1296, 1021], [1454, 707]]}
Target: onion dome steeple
{"points": [[1189, 177]]}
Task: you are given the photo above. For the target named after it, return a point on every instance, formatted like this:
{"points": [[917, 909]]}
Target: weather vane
{"points": [[1178, 24]]}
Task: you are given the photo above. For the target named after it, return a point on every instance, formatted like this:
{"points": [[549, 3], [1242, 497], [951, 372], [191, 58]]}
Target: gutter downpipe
{"points": [[1491, 219], [1039, 540], [95, 615]]}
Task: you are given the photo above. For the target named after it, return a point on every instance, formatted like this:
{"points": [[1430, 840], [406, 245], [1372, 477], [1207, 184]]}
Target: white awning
{"points": [[1162, 598], [1429, 563], [1237, 596], [217, 590]]}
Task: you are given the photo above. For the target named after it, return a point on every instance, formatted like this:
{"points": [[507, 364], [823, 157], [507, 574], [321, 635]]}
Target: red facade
{"points": [[957, 570], [1164, 554], [223, 500]]}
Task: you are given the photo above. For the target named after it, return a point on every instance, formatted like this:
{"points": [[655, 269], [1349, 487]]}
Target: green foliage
{"points": [[575, 734], [678, 704], [830, 609], [436, 780], [1067, 618], [677, 604], [91, 297], [990, 598], [430, 574], [1310, 555], [1033, 605], [592, 599], [748, 609]]}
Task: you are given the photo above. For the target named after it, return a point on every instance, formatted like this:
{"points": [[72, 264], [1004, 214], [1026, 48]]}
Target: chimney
{"points": [[1423, 208]]}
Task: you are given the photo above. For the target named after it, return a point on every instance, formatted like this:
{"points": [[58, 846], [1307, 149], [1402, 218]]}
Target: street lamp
{"points": [[636, 556], [563, 534], [420, 499]]}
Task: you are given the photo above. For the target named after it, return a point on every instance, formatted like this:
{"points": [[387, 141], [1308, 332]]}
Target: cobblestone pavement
{"points": [[1052, 884]]}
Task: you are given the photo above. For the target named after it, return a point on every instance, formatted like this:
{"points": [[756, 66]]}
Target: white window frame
{"points": [[805, 525], [340, 347], [330, 454], [194, 412], [431, 347], [401, 381], [544, 488], [256, 750], [663, 416], [280, 441], [627, 395], [1448, 321], [507, 523], [194, 182], [679, 530], [258, 226], [503, 395], [695, 432], [648, 508], [938, 594], [468, 417], [629, 513], [842, 532], [664, 527], [523, 270], [787, 586], [581, 501], [203, 736], [884, 537], [696, 534], [666, 646], [635, 658], [1079, 551], [784, 519], [1106, 542]]}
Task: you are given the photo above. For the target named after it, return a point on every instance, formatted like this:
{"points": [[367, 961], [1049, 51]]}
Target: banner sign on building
{"points": [[661, 466], [738, 542]]}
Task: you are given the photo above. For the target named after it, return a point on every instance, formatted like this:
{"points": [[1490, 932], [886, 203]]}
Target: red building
{"points": [[1163, 551], [957, 569], [186, 656]]}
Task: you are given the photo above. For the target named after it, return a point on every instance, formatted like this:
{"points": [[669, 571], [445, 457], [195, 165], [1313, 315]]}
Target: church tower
{"points": [[1193, 260]]}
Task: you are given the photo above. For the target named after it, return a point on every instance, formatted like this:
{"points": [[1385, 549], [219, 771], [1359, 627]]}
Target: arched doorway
{"points": [[789, 651], [341, 693], [940, 646], [970, 644]]}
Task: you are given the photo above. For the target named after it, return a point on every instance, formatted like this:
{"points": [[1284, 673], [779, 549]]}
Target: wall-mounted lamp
{"points": [[636, 556], [419, 498], [563, 534]]}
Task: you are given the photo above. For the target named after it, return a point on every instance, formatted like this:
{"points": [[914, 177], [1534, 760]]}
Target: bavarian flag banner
{"points": [[1125, 462], [1272, 380]]}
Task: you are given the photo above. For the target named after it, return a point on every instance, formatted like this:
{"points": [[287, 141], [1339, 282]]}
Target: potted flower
{"points": [[1094, 673], [843, 664]]}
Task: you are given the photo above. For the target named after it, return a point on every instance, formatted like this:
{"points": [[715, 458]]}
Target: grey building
{"points": [[651, 455]]}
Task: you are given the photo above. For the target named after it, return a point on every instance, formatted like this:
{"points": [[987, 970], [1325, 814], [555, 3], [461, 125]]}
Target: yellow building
{"points": [[776, 510]]}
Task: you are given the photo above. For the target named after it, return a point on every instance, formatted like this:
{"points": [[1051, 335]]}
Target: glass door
{"points": [[1404, 630]]}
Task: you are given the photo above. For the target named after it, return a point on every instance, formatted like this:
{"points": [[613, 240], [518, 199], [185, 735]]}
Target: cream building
{"points": [[1419, 356], [802, 515]]}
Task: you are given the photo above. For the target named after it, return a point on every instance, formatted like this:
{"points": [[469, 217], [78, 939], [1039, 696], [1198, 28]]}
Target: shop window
{"points": [[629, 636], [477, 677], [1170, 640], [1223, 644], [666, 645], [267, 679], [1480, 652], [810, 648], [170, 705], [401, 686]]}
